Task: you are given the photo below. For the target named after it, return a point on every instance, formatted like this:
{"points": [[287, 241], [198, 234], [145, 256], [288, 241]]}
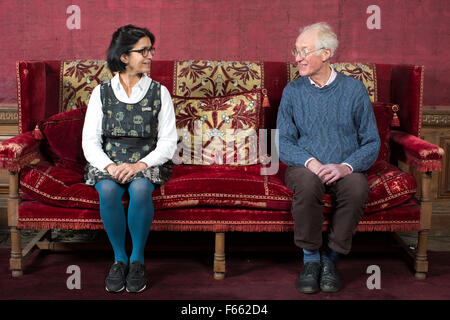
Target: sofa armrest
{"points": [[19, 151], [420, 154]]}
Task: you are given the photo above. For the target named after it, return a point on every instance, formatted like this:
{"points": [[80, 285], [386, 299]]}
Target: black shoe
{"points": [[137, 277], [115, 281], [308, 281], [329, 277]]}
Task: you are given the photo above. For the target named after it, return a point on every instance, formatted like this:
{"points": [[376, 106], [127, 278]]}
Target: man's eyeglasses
{"points": [[144, 51], [303, 53]]}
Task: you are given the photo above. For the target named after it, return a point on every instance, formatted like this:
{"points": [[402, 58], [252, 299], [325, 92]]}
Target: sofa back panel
{"points": [[365, 72], [274, 81], [384, 73], [41, 84], [162, 71], [37, 94], [407, 92]]}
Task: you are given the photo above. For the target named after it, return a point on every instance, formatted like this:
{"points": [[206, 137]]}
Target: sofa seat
{"points": [[214, 198], [38, 215]]}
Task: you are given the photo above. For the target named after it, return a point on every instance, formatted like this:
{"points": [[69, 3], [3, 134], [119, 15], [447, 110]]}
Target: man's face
{"points": [[312, 63]]}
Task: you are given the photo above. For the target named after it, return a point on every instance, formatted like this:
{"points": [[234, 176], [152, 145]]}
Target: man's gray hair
{"points": [[326, 37]]}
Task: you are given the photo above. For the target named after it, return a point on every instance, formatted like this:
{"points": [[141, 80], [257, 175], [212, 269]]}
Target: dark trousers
{"points": [[349, 195]]}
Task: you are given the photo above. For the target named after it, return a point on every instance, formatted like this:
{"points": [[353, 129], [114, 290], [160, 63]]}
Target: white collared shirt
{"points": [[92, 130], [330, 80]]}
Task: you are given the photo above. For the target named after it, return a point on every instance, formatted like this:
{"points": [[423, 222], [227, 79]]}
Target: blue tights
{"points": [[140, 216]]}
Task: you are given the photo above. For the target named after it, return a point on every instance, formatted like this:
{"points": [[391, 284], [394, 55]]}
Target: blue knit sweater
{"points": [[333, 124]]}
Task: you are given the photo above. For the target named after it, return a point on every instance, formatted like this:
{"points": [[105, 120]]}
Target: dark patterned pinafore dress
{"points": [[130, 132]]}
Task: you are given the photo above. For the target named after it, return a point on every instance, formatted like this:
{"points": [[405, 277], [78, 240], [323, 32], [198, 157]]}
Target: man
{"points": [[328, 138]]}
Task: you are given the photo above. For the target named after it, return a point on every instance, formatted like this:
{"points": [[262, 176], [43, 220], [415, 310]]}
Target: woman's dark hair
{"points": [[123, 40]]}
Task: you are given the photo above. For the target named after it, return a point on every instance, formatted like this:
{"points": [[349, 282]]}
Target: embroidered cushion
{"points": [[79, 78], [57, 185], [388, 187], [219, 130], [189, 186], [205, 78], [213, 186], [365, 72]]}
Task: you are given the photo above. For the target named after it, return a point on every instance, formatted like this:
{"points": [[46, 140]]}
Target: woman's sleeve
{"points": [[92, 133], [167, 133]]}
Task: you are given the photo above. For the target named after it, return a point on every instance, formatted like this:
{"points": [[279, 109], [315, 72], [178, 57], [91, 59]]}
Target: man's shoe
{"points": [[137, 278], [308, 281], [115, 281], [329, 277]]}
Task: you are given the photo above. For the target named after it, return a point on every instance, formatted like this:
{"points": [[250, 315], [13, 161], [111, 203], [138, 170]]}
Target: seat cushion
{"points": [[213, 186], [57, 185], [389, 186], [222, 186]]}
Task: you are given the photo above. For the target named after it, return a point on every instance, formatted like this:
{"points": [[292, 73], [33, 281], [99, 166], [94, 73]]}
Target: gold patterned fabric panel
{"points": [[204, 78], [219, 130], [79, 78], [365, 72]]}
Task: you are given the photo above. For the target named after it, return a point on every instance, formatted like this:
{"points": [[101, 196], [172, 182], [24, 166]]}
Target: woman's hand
{"points": [[125, 171]]}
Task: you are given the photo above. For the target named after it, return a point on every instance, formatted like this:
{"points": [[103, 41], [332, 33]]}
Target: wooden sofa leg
{"points": [[219, 256], [421, 261], [16, 260], [426, 210]]}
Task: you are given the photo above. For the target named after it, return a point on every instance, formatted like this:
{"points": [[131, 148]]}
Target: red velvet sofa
{"points": [[211, 190]]}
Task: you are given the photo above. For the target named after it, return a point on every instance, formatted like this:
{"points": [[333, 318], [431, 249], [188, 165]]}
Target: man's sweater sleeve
{"points": [[290, 152], [368, 138]]}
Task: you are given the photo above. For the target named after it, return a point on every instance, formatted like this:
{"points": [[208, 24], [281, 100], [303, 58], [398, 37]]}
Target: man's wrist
{"points": [[349, 167]]}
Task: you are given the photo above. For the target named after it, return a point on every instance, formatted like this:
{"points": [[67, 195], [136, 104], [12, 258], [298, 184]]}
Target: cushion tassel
{"points": [[37, 133], [395, 120], [266, 102]]}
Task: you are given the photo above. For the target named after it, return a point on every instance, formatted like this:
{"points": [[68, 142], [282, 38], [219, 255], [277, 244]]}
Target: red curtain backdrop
{"points": [[410, 31]]}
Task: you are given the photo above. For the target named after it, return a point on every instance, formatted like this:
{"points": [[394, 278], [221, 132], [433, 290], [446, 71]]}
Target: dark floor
{"points": [[438, 240]]}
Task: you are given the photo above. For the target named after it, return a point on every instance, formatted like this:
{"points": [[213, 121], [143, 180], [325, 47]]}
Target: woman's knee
{"points": [[141, 189], [108, 189]]}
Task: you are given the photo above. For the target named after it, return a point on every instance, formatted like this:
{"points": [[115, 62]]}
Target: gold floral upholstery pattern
{"points": [[219, 130], [204, 78], [78, 80], [365, 72]]}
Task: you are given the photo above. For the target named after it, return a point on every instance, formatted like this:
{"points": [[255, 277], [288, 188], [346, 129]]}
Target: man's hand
{"points": [[330, 173], [314, 165], [125, 171]]}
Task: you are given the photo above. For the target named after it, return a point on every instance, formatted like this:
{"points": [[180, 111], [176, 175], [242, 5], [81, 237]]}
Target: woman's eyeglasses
{"points": [[144, 51]]}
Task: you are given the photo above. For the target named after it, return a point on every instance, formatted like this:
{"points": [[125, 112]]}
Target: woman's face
{"points": [[136, 62]]}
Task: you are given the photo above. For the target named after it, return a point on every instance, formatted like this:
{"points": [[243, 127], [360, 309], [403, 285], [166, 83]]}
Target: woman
{"points": [[129, 137]]}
